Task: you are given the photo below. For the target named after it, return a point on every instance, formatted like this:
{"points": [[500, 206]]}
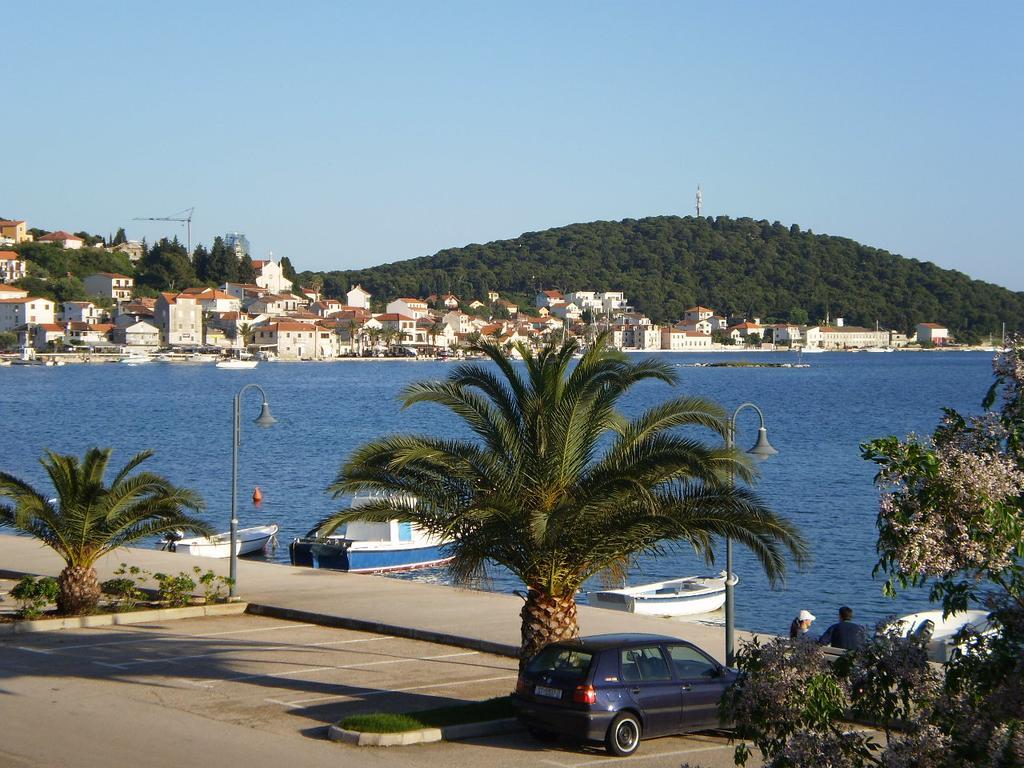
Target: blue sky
{"points": [[346, 135]]}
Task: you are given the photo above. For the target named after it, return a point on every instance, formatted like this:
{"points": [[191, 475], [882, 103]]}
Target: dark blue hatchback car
{"points": [[619, 689]]}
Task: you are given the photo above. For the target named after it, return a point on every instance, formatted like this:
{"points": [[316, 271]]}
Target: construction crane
{"points": [[180, 216]]}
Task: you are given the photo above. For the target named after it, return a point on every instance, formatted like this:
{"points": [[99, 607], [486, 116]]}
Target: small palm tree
{"points": [[88, 518], [558, 486]]}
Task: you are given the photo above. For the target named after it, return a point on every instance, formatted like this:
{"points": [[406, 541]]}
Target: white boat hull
{"points": [[247, 541], [240, 365], [678, 597], [944, 630]]}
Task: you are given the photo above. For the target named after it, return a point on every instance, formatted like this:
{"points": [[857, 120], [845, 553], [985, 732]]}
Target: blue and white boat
{"points": [[367, 547]]}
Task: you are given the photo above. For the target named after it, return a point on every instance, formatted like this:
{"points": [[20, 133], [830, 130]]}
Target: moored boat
{"points": [[676, 597], [237, 364], [941, 632], [247, 541], [369, 547]]}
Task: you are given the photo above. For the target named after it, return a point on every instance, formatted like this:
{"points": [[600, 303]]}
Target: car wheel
{"points": [[542, 734], [623, 737]]}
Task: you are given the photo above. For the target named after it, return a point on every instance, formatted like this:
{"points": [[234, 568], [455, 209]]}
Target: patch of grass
{"points": [[458, 714]]}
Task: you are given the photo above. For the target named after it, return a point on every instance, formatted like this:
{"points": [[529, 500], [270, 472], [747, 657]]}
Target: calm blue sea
{"points": [[816, 418]]}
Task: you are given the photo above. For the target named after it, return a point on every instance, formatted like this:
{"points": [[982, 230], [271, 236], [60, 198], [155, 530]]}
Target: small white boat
{"points": [[236, 364], [676, 597], [879, 349], [247, 541], [134, 359], [811, 350], [941, 632]]}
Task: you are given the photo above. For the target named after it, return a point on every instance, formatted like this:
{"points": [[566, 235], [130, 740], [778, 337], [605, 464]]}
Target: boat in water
{"points": [[676, 597], [944, 634], [362, 546], [248, 541], [235, 363]]}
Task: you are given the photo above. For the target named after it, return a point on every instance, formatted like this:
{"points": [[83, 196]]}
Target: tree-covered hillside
{"points": [[737, 266]]}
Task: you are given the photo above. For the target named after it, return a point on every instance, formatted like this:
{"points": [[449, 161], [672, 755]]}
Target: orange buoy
{"points": [[257, 495]]}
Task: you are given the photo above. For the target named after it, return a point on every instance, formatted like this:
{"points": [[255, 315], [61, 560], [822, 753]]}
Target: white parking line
{"points": [[343, 696], [296, 647], [211, 681], [637, 757], [151, 638]]}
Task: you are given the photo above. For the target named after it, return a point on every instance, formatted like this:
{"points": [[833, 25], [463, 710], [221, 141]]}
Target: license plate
{"points": [[543, 690]]}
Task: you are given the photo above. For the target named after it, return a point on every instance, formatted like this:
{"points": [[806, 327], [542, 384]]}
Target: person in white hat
{"points": [[801, 624]]}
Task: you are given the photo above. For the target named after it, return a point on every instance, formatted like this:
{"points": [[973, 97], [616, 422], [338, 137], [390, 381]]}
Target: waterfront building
{"points": [[932, 333], [14, 231], [11, 267], [215, 300], [44, 337], [741, 331], [30, 310], [64, 239], [680, 340], [180, 320], [270, 277], [414, 308], [274, 304], [404, 325], [845, 337], [358, 297], [698, 326], [458, 322], [786, 333], [110, 285], [290, 340], [89, 335], [140, 335]]}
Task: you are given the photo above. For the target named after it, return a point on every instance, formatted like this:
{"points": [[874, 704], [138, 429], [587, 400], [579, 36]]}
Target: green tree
{"points": [[83, 518], [288, 270], [559, 486], [201, 263], [120, 238], [798, 316], [167, 267], [8, 341], [246, 271], [223, 263]]}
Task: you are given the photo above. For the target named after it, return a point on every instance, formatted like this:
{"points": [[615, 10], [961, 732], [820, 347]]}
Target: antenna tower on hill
{"points": [[700, 200]]}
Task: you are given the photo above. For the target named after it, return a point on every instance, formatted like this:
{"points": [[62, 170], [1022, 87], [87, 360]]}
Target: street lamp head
{"points": [[265, 418], [762, 448]]}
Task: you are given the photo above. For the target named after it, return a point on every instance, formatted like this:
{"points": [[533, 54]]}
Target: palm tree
{"points": [[559, 486], [88, 519]]}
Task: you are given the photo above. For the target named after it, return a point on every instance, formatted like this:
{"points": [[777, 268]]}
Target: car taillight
{"points": [[521, 685], [584, 694]]}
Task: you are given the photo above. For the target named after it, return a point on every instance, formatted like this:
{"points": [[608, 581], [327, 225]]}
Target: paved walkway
{"points": [[474, 619]]}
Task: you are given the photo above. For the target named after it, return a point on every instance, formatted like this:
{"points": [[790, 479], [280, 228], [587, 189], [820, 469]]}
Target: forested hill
{"points": [[737, 266]]}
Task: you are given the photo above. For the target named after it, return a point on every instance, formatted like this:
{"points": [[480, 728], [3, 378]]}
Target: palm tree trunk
{"points": [[546, 619], [79, 590]]}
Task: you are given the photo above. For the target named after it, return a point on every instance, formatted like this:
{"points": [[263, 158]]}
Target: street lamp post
{"points": [[762, 450], [265, 419]]}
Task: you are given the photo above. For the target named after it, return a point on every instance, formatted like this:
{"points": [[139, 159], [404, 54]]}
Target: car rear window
{"points": [[567, 664]]}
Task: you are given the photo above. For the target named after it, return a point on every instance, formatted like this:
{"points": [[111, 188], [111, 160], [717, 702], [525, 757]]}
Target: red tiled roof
{"points": [[60, 234], [932, 325], [392, 316], [23, 301], [10, 222], [9, 255]]}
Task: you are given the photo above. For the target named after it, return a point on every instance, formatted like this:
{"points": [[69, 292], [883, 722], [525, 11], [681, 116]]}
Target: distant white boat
{"points": [[942, 631], [247, 541], [879, 349], [237, 364], [811, 350], [136, 359], [676, 597]]}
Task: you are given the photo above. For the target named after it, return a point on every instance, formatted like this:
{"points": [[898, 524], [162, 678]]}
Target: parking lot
{"points": [[259, 691]]}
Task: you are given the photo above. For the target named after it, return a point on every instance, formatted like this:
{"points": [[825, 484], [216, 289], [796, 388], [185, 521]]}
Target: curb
{"points": [[423, 735], [132, 617], [381, 628]]}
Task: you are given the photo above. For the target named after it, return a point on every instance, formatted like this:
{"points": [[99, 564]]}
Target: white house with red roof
{"points": [[64, 239], [30, 310], [12, 292], [358, 297], [81, 312], [140, 336], [932, 333], [45, 336], [270, 276], [547, 298], [214, 300], [290, 340], [696, 314], [458, 322], [91, 335], [680, 340], [11, 267], [414, 308], [110, 285]]}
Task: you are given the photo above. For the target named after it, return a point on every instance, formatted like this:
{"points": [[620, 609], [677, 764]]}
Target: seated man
{"points": [[845, 634]]}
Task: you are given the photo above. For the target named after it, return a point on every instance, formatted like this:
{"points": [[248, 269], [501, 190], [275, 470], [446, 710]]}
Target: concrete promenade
{"points": [[483, 621]]}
